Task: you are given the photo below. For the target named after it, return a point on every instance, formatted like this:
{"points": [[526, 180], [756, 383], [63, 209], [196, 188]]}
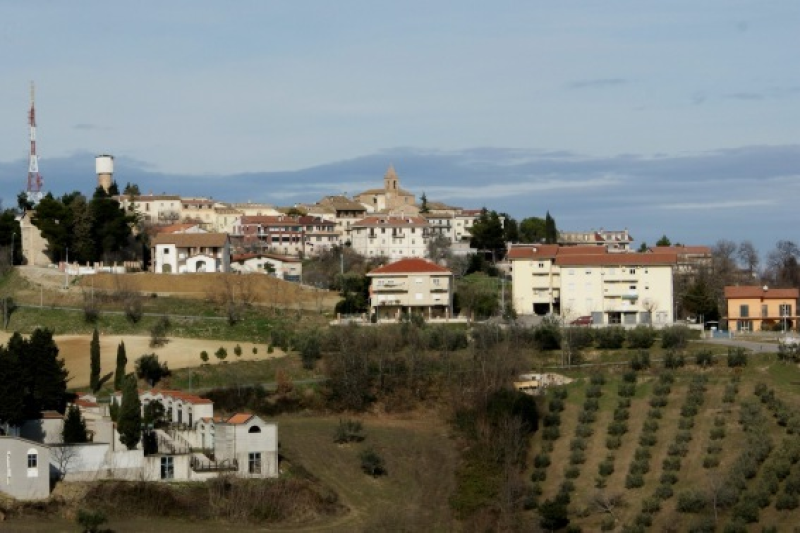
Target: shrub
{"points": [[675, 337], [717, 433], [663, 492], [651, 505], [737, 357], [639, 467], [677, 449], [221, 353], [204, 356], [551, 419], [704, 358], [669, 477], [551, 433], [584, 430], [560, 393], [714, 448], [627, 390], [90, 521], [647, 439], [654, 414], [662, 389], [556, 405], [683, 436], [587, 417], [593, 391], [617, 429], [255, 350], [348, 431], [640, 361], [673, 360], [608, 523], [606, 468], [621, 414], [237, 351], [591, 405], [671, 464], [685, 423], [690, 501], [624, 403], [634, 481], [642, 453], [372, 463], [629, 377], [610, 338], [577, 443], [643, 520], [786, 501], [613, 442], [711, 461], [572, 472], [577, 457], [658, 401], [650, 426], [597, 379], [158, 333], [539, 474], [746, 510], [541, 461], [149, 368], [641, 337]]}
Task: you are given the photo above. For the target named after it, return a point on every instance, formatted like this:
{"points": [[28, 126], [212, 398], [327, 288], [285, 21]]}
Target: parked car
{"points": [[582, 321]]}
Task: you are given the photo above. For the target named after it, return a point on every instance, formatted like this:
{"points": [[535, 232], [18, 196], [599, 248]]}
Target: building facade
{"points": [[182, 253], [612, 288], [753, 308], [394, 237], [414, 286]]}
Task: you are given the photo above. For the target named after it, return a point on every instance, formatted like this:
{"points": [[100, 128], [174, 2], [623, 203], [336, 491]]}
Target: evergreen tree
{"points": [[131, 189], [94, 361], [487, 234], [663, 241], [122, 361], [12, 390], [550, 230], [129, 419], [74, 431], [44, 376], [423, 208], [531, 230]]}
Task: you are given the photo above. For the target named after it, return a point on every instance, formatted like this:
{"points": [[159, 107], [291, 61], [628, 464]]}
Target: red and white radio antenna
{"points": [[34, 190]]}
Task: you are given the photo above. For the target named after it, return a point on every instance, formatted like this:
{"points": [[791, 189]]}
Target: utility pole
{"points": [[66, 271]]}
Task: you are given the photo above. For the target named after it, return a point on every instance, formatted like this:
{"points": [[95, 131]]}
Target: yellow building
{"points": [[753, 308], [411, 286], [611, 288]]}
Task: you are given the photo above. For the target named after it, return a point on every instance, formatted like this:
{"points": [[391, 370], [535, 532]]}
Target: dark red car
{"points": [[582, 321]]}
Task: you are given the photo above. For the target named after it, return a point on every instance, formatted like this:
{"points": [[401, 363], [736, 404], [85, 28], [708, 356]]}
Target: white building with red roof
{"points": [[391, 236], [411, 286], [578, 281]]}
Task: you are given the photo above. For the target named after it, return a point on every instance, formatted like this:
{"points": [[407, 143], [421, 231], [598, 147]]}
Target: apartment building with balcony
{"points": [[612, 288], [754, 308], [411, 286], [298, 236], [391, 236]]}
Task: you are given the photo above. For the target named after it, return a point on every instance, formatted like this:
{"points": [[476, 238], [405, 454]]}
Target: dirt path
{"points": [[178, 352]]}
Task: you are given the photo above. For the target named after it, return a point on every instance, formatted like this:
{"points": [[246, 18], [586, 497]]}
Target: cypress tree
{"points": [[12, 389], [550, 231], [129, 420], [94, 361], [74, 431], [44, 375], [119, 373]]}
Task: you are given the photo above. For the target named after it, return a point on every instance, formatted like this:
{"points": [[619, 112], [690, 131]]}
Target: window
{"points": [[167, 468], [633, 271], [254, 462], [764, 310], [541, 265], [33, 463], [744, 311], [436, 281], [254, 429], [786, 309]]}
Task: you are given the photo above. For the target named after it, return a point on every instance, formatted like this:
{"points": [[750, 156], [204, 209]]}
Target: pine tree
{"points": [[122, 361], [423, 208], [129, 420], [74, 431], [94, 361]]}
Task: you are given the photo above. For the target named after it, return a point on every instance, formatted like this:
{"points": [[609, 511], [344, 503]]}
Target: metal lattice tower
{"points": [[34, 189]]}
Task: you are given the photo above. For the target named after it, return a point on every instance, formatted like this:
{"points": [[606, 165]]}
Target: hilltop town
{"points": [[270, 349]]}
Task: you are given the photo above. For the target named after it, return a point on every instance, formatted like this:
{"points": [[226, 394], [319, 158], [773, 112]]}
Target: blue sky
{"points": [[678, 117]]}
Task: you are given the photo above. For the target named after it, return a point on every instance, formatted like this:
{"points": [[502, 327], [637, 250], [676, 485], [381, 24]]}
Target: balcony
{"points": [[390, 286], [207, 465]]}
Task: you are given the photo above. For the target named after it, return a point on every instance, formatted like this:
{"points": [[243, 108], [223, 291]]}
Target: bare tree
{"points": [[748, 257], [608, 502], [234, 293], [64, 456]]}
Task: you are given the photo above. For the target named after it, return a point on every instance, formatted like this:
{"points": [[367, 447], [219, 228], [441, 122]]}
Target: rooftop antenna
{"points": [[34, 188]]}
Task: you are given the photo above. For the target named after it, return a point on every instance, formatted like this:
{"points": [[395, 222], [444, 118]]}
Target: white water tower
{"points": [[104, 166]]}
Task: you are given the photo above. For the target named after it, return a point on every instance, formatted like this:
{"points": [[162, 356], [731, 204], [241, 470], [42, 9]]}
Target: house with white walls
{"points": [[182, 253]]}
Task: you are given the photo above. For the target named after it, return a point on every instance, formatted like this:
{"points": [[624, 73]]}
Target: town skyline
{"points": [[677, 120]]}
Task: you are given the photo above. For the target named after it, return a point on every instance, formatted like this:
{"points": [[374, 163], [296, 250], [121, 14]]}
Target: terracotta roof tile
{"points": [[239, 418], [754, 291], [185, 240], [410, 266]]}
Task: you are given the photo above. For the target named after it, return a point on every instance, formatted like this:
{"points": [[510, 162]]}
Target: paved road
{"points": [[754, 346]]}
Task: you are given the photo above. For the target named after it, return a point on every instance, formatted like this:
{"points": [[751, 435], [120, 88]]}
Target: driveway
{"points": [[754, 346]]}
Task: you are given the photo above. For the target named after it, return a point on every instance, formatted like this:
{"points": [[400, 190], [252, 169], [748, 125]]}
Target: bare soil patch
{"points": [[177, 353]]}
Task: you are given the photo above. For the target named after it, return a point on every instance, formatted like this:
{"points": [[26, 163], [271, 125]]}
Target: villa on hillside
{"points": [[181, 253], [190, 443], [414, 286], [753, 308]]}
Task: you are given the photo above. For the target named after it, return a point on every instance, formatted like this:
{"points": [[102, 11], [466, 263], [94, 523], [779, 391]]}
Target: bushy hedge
{"points": [[675, 337], [610, 338], [641, 337]]}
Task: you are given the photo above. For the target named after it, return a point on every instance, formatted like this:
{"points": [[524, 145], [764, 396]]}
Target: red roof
{"points": [[534, 251], [239, 418], [412, 265], [754, 291], [683, 250]]}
